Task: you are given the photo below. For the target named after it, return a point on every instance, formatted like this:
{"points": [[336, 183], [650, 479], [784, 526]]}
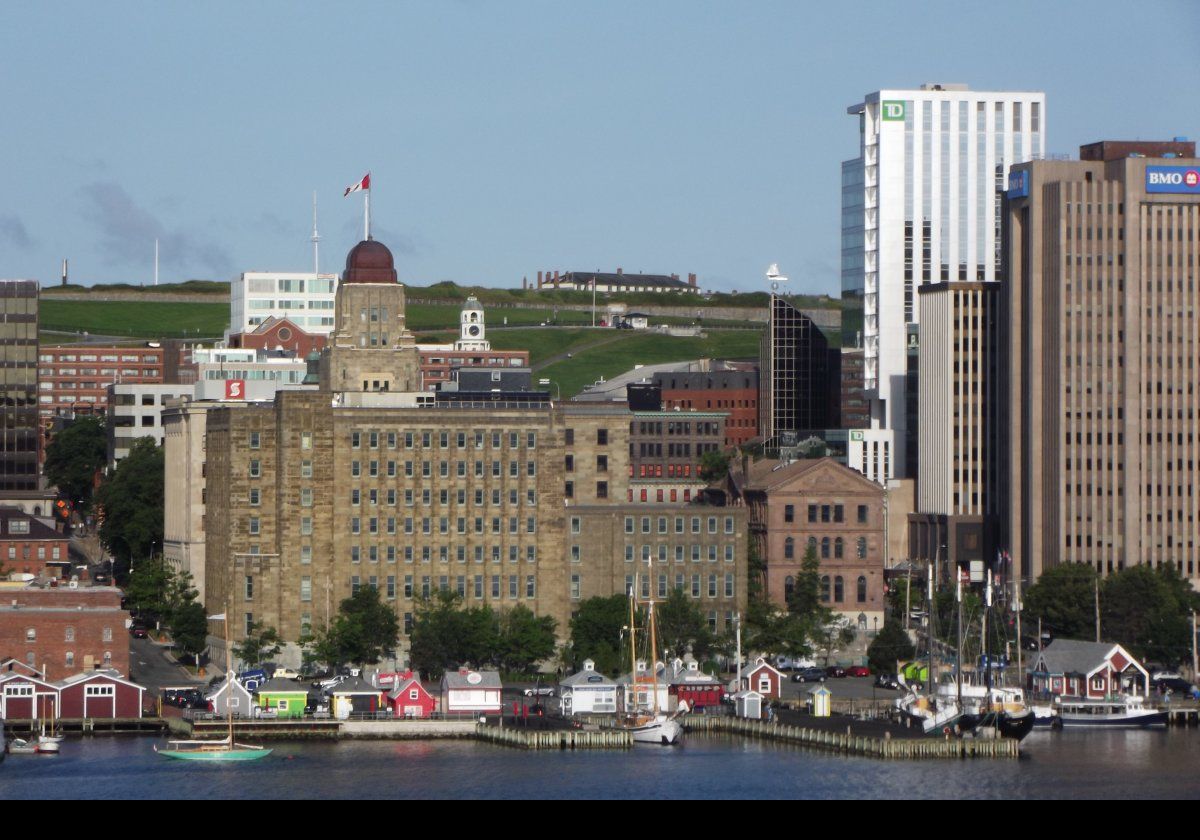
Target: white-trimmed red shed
{"points": [[24, 697], [100, 694], [412, 700], [763, 678]]}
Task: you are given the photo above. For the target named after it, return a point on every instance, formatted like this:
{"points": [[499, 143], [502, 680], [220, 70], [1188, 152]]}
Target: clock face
{"points": [[472, 330]]}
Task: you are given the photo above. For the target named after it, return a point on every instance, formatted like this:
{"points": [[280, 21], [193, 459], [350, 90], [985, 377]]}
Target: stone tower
{"points": [[370, 349]]}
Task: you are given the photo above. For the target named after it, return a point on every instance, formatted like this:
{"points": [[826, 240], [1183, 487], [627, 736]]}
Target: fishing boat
{"points": [[33, 746], [225, 749], [645, 719]]}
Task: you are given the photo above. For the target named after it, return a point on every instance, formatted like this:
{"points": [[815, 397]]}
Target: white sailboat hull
{"points": [[662, 731]]}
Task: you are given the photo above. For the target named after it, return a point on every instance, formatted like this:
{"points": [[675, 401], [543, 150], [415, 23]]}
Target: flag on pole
{"points": [[364, 184]]}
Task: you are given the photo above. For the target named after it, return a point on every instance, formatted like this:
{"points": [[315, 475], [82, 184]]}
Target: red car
{"points": [[858, 671], [138, 632]]}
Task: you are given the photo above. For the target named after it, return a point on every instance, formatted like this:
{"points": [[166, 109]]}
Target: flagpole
{"points": [[367, 207]]}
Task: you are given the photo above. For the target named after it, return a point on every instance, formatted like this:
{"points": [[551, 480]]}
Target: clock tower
{"points": [[471, 327]]}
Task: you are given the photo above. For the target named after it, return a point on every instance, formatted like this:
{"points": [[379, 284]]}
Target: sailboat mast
{"points": [[958, 652], [929, 629], [633, 646], [987, 608], [229, 676]]}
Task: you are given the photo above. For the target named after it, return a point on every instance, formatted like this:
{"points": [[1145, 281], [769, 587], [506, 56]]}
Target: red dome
{"points": [[369, 262]]}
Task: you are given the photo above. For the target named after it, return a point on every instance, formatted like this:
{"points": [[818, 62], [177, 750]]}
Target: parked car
{"points": [[835, 671], [809, 675], [285, 674], [138, 632], [887, 681], [540, 691], [858, 671]]}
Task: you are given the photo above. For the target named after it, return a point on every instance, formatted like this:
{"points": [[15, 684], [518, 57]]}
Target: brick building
{"points": [[833, 509], [731, 387], [29, 546], [75, 379], [279, 334], [62, 631]]}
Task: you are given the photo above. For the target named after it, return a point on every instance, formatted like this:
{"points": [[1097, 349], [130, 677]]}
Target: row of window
{"points": [[425, 439], [825, 546], [696, 589], [106, 634], [662, 521], [839, 589], [826, 513], [391, 469]]}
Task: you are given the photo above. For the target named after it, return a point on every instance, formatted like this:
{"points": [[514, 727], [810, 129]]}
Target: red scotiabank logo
{"points": [[1192, 178], [235, 389]]}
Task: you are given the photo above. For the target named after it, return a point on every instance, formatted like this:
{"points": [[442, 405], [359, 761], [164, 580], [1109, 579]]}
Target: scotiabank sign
{"points": [[235, 389], [1173, 179]]}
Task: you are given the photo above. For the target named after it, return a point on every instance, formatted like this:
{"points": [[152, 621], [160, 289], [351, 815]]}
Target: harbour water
{"points": [[1092, 765]]}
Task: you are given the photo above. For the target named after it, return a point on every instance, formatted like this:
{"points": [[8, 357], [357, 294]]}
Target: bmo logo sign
{"points": [[235, 389], [1173, 179]]}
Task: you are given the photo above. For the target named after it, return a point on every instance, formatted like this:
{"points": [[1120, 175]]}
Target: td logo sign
{"points": [[892, 110]]}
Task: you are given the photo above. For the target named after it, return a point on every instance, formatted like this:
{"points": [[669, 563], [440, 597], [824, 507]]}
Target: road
{"points": [[151, 667]]}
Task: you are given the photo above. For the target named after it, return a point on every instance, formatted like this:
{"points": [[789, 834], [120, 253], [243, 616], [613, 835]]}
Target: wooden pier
{"points": [[1183, 715], [555, 739], [849, 744], [91, 726]]}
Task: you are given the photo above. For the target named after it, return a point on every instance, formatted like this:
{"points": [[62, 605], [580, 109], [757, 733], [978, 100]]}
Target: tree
{"points": [[446, 635], [366, 629], [1064, 599], [189, 629], [714, 465], [75, 457], [524, 639], [805, 600], [260, 644], [891, 645], [133, 506], [1149, 611], [682, 627], [598, 633]]}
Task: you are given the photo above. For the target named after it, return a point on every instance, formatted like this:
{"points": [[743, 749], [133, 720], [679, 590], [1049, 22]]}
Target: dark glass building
{"points": [[19, 430], [800, 377]]}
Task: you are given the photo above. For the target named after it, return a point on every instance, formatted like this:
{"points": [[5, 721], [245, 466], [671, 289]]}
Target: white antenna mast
{"points": [[155, 262], [316, 239]]}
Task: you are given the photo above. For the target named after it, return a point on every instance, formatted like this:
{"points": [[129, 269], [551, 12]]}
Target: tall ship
{"points": [[645, 715]]}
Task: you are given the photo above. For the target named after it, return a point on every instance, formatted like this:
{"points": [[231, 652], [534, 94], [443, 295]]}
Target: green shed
{"points": [[287, 697]]}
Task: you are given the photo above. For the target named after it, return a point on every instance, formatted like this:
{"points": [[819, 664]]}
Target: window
{"points": [[862, 514], [789, 549], [861, 592], [249, 588], [789, 513], [255, 468]]}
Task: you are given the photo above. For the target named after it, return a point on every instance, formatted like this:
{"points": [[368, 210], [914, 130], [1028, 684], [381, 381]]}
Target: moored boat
{"points": [[1120, 713]]}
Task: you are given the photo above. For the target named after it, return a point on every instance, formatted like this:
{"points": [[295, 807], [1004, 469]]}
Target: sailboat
{"points": [[650, 725], [225, 749]]}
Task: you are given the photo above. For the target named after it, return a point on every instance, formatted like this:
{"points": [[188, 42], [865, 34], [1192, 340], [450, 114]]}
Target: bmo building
{"points": [[1101, 319]]}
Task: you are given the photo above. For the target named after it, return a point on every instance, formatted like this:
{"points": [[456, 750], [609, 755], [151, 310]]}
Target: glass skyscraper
{"points": [[19, 429], [921, 204]]}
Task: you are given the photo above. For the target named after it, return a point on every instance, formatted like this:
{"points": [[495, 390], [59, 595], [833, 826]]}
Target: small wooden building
{"points": [[219, 699], [467, 692], [100, 694], [24, 697], [1087, 670], [588, 692], [692, 686], [748, 704], [355, 696], [763, 678], [287, 697], [412, 700]]}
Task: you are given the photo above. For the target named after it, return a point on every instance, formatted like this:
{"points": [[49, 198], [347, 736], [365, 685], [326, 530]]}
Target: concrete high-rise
{"points": [[1102, 314], [921, 204]]}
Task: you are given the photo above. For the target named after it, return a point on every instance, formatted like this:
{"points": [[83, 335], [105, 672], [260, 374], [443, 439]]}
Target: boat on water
{"points": [[646, 719], [1127, 712], [34, 746], [225, 749], [210, 750]]}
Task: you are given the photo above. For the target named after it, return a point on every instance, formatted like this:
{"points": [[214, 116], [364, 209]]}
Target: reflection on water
{"points": [[1055, 765]]}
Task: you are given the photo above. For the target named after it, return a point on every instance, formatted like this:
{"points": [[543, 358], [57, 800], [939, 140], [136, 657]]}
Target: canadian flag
{"points": [[364, 184]]}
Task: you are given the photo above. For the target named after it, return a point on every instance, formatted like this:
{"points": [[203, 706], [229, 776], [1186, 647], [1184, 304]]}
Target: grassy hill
{"points": [[135, 319]]}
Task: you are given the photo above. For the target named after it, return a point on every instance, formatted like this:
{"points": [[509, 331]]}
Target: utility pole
{"points": [[1097, 600], [1194, 663]]}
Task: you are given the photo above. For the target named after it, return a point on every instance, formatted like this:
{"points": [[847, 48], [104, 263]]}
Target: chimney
{"points": [[539, 279], [692, 280], [556, 279], [64, 277], [620, 270], [524, 283]]}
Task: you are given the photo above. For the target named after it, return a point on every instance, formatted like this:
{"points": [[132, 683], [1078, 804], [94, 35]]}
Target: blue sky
{"points": [[507, 138]]}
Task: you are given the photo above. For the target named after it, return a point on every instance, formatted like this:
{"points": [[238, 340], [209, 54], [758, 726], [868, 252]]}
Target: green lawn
{"points": [[136, 319], [609, 360]]}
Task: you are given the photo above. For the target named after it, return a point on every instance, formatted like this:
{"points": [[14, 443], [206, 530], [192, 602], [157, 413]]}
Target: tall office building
{"points": [[959, 469], [799, 380], [921, 204], [19, 429], [1102, 312]]}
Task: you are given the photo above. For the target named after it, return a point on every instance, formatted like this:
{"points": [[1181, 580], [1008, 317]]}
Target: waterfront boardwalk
{"points": [[555, 739], [848, 743]]}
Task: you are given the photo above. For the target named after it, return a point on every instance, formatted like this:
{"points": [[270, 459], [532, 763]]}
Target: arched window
{"points": [[839, 548], [839, 589], [789, 549], [789, 586], [862, 547], [825, 548], [862, 589], [812, 543], [825, 588]]}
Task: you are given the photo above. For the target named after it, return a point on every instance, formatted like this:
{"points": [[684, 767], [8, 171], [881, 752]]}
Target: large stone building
{"points": [[1101, 319], [826, 506], [371, 481]]}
